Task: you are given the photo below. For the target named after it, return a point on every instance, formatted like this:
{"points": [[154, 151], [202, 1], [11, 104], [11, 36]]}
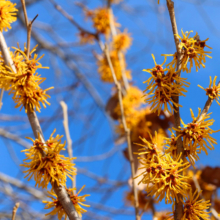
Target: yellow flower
{"points": [[131, 101], [137, 123], [195, 209], [213, 91], [162, 87], [46, 164], [196, 135], [101, 20], [163, 178], [58, 209], [192, 49], [24, 85], [171, 145], [150, 149], [7, 14], [122, 41], [105, 71]]}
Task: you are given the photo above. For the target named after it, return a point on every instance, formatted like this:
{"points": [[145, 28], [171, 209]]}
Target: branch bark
{"points": [[178, 213], [15, 210], [127, 132]]}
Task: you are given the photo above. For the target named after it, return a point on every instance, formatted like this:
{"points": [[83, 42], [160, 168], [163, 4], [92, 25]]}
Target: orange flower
{"points": [[195, 209], [122, 41], [163, 179], [24, 85], [105, 71], [213, 91], [162, 87], [46, 163], [192, 49], [58, 209], [7, 15]]}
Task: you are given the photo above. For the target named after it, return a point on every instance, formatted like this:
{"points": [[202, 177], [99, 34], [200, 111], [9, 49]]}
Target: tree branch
{"points": [[170, 5], [206, 107], [127, 132]]}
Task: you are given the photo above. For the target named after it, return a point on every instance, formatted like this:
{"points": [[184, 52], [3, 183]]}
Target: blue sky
{"points": [[151, 31]]}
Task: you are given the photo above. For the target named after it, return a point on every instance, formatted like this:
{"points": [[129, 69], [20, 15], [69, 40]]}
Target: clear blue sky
{"points": [[151, 31]]}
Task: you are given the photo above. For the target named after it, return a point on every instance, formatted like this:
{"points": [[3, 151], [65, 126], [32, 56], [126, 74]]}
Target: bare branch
{"points": [[70, 18], [170, 5], [68, 138], [14, 137], [127, 132], [7, 59], [15, 210], [120, 55]]}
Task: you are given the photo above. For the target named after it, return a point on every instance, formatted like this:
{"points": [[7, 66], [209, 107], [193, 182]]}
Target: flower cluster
{"points": [[58, 209], [143, 122], [24, 85], [46, 164], [122, 41], [150, 148], [105, 71], [192, 49], [162, 86], [196, 137], [7, 15], [101, 20], [162, 174], [131, 102], [194, 208], [213, 91]]}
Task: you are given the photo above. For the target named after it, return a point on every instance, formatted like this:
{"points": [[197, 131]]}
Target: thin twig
{"points": [[25, 12], [70, 18], [206, 107], [127, 132], [15, 210], [68, 138], [170, 5], [120, 55], [28, 26], [14, 137], [8, 61]]}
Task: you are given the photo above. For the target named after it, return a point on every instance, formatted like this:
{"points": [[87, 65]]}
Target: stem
{"points": [[206, 107], [7, 59], [15, 210], [127, 133], [120, 54], [178, 213], [68, 138]]}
